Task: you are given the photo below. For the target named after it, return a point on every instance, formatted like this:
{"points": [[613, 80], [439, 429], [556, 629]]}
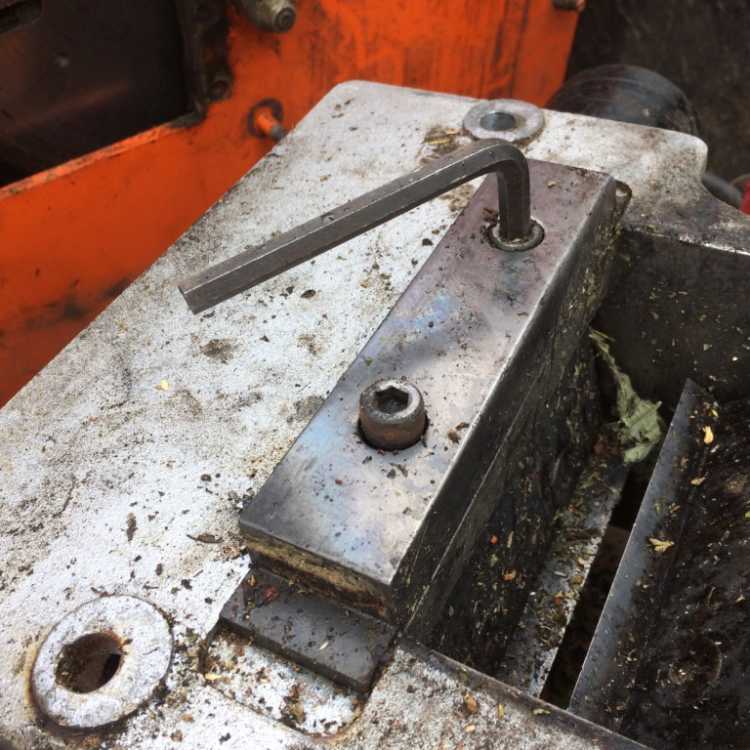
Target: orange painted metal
{"points": [[73, 237]]}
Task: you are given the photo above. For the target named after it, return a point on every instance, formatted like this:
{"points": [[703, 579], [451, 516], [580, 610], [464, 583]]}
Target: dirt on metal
{"points": [[690, 685]]}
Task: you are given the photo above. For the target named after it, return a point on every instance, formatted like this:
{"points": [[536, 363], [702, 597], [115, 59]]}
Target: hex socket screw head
{"points": [[392, 414], [278, 16]]}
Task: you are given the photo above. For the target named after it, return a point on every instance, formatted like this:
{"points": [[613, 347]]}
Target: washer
{"points": [[101, 662]]}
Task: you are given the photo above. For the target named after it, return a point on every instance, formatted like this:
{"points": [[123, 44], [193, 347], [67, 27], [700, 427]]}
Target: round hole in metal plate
{"points": [[498, 121], [89, 663]]}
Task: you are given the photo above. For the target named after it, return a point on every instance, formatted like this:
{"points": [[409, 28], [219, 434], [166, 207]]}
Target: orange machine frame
{"points": [[75, 236]]}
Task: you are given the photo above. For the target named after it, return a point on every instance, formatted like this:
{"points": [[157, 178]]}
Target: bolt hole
{"points": [[498, 121], [219, 87], [89, 663], [391, 400]]}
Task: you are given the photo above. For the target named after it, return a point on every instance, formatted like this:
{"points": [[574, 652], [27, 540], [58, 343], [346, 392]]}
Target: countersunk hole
{"points": [[391, 400], [89, 663], [498, 121]]}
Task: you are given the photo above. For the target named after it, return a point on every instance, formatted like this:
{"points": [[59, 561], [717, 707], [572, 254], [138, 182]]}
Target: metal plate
{"points": [[343, 645], [666, 664], [467, 332], [437, 712], [603, 686], [578, 537]]}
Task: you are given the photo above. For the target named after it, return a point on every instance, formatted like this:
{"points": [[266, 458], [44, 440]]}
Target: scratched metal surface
{"points": [[124, 463]]}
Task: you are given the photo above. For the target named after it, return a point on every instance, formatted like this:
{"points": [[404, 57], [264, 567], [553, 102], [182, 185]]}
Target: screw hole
{"points": [[498, 121], [89, 663], [391, 400]]}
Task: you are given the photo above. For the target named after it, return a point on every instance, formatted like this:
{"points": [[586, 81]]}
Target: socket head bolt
{"points": [[392, 414]]}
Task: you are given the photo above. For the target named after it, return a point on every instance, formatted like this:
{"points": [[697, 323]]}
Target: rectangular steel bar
{"points": [[505, 717], [536, 641], [473, 333], [607, 673], [666, 665], [338, 643]]}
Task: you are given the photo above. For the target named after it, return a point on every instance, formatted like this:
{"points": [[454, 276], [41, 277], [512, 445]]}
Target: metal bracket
{"points": [[340, 643], [514, 230]]}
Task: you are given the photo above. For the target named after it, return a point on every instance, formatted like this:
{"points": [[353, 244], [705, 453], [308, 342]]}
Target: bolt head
{"points": [[285, 19], [392, 414]]}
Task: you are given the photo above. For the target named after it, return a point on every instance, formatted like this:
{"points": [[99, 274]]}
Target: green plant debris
{"points": [[639, 427]]}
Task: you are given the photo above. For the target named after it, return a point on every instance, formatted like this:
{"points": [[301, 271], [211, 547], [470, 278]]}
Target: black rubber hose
{"points": [[628, 93], [721, 189]]}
